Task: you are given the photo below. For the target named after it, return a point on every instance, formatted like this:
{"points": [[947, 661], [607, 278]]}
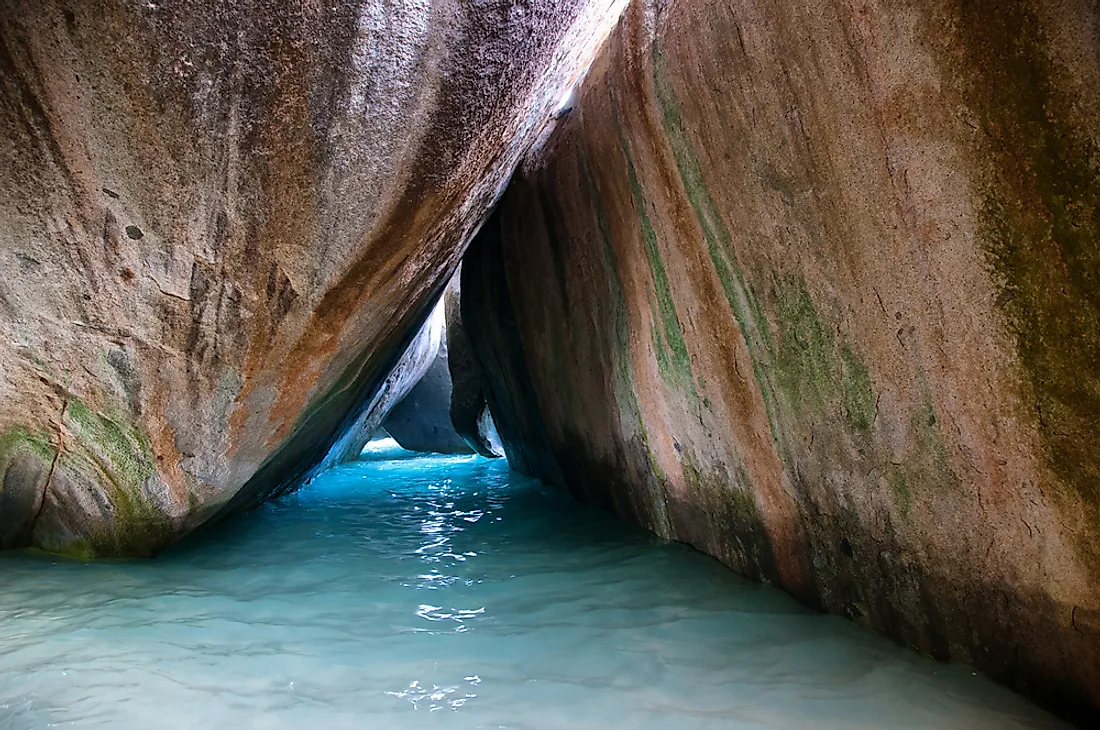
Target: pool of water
{"points": [[429, 592]]}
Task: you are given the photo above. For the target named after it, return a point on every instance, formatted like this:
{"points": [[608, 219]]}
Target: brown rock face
{"points": [[815, 287], [220, 225]]}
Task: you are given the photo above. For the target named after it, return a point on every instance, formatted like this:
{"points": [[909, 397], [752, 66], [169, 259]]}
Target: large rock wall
{"points": [[220, 226], [815, 287]]}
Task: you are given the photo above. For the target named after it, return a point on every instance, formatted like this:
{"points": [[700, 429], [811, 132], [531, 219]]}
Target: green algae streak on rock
{"points": [[220, 225], [814, 287]]}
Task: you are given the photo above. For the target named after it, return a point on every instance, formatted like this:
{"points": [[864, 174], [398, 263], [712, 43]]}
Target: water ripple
{"points": [[448, 592]]}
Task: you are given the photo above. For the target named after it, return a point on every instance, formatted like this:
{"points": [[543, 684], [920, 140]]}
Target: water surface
{"points": [[448, 593]]}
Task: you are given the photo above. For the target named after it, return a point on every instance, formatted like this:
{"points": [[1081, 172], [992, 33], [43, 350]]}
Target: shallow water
{"points": [[450, 593]]}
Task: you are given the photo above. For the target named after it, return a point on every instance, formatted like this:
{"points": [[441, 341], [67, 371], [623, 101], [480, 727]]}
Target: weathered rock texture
{"points": [[220, 226], [421, 421], [469, 409], [815, 287]]}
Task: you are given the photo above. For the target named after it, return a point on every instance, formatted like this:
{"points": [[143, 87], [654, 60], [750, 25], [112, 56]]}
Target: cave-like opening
{"points": [[809, 288]]}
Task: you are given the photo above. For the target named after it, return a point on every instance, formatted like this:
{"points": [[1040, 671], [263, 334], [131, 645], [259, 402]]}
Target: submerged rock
{"points": [[814, 288], [220, 226]]}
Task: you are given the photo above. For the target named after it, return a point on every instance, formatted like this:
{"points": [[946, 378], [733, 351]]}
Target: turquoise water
{"points": [[448, 593]]}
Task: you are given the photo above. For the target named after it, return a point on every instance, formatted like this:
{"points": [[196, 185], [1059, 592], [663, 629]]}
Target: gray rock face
{"points": [[221, 224], [421, 421], [418, 360]]}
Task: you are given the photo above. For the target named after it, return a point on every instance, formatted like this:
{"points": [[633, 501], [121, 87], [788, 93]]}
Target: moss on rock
{"points": [[806, 364], [121, 454], [1040, 226], [675, 363], [857, 396], [16, 437]]}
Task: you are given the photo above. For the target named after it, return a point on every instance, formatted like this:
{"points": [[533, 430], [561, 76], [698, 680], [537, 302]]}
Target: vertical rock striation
{"points": [[469, 408], [815, 287], [221, 223]]}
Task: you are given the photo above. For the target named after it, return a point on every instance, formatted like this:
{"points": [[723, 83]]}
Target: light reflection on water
{"points": [[448, 592]]}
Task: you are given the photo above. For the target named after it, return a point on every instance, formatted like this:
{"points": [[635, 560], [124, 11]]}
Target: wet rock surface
{"points": [[812, 287], [221, 225]]}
